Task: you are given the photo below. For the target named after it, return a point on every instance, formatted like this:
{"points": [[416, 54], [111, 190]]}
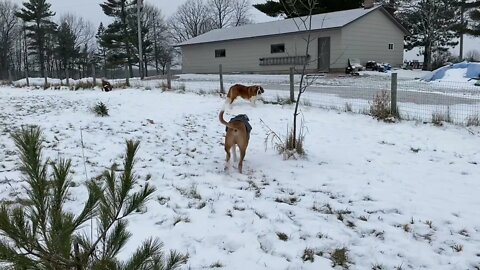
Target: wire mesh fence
{"points": [[455, 102]]}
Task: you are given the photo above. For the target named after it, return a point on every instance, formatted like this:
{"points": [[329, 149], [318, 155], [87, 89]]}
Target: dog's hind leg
{"points": [[234, 152], [227, 151], [227, 159], [242, 156]]}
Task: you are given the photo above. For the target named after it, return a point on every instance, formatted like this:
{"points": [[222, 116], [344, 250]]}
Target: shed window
{"points": [[390, 46], [220, 53], [277, 48]]}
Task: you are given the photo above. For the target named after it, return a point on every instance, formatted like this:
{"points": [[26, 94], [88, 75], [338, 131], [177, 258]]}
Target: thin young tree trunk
{"points": [[155, 46], [104, 64], [25, 54], [67, 73], [301, 87], [145, 66], [427, 56]]}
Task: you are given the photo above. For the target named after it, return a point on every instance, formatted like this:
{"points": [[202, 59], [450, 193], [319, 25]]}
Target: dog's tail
{"points": [[220, 117]]}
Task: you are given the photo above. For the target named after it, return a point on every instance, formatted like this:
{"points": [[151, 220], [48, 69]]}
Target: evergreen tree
{"points": [[289, 8], [37, 16], [118, 37], [432, 26], [102, 50], [473, 9], [40, 233], [66, 49]]}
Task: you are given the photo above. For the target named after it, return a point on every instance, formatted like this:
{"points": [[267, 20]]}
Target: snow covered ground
{"points": [[396, 196]]}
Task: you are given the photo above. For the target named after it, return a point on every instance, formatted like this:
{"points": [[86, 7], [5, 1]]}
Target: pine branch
{"points": [[145, 256]]}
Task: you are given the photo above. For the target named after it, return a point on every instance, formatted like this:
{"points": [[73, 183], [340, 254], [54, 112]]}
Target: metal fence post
{"points": [[292, 86], [393, 95], [220, 71]]}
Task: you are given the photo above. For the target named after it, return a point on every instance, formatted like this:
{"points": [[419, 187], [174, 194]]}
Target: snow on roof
{"points": [[321, 21]]}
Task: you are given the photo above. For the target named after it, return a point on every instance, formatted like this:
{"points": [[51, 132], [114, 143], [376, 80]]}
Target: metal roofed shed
{"points": [[273, 47]]}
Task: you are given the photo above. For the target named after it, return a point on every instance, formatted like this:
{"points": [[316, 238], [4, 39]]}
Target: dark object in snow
{"points": [[380, 67], [106, 86], [350, 69], [242, 118], [372, 65]]}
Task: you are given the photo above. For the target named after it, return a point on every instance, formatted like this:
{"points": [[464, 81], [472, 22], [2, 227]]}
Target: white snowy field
{"points": [[453, 96], [396, 196]]}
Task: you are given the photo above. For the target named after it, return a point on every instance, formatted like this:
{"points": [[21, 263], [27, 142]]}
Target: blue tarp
{"points": [[473, 71]]}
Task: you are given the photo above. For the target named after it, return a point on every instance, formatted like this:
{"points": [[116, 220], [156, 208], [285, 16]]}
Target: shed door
{"points": [[324, 54]]}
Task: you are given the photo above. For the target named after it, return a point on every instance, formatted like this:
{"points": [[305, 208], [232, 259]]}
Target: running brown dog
{"points": [[246, 92], [237, 134]]}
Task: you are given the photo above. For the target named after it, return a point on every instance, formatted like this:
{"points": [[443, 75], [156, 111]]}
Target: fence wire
{"points": [[455, 102]]}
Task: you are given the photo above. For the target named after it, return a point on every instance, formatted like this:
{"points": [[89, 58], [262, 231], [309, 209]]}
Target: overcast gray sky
{"points": [[90, 10]]}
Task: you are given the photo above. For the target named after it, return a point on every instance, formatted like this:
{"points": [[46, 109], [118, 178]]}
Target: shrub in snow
{"points": [[39, 232], [290, 146], [5, 82], [381, 107], [84, 85], [100, 109], [339, 257], [473, 120], [439, 117]]}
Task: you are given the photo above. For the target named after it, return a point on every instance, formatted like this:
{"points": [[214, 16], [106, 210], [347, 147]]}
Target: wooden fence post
{"points": [[292, 84], [393, 95], [94, 76], [220, 71], [169, 77], [127, 77]]}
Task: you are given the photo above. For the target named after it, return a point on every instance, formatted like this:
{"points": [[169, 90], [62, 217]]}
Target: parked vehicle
{"points": [[355, 62]]}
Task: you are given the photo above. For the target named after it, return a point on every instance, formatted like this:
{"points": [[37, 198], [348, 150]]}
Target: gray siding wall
{"points": [[243, 55], [368, 39], [365, 39]]}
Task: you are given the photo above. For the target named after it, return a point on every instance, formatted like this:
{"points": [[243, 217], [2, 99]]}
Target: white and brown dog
{"points": [[238, 133], [250, 93], [106, 86]]}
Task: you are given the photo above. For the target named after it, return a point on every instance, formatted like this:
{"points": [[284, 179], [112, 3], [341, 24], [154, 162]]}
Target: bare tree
{"points": [[222, 12], [192, 19], [154, 20], [9, 28], [293, 143], [241, 13], [81, 28], [227, 13], [303, 24], [77, 34]]}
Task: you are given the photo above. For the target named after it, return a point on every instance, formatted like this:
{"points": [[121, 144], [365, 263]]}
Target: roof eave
{"points": [[270, 35], [395, 20]]}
